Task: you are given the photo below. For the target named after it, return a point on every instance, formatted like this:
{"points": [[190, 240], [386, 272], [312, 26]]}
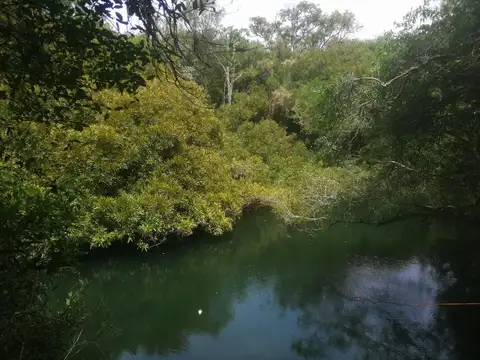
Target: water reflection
{"points": [[352, 292], [370, 316]]}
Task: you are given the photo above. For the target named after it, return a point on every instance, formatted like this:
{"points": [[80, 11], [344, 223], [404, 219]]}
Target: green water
{"points": [[266, 292]]}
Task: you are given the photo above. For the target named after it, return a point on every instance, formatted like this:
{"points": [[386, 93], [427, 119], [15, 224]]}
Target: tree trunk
{"points": [[229, 85]]}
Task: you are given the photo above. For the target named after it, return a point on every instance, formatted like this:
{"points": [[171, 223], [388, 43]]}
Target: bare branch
{"points": [[402, 165], [400, 76], [220, 63], [237, 77]]}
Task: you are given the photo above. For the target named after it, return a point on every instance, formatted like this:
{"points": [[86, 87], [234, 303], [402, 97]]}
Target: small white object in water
{"points": [[200, 312]]}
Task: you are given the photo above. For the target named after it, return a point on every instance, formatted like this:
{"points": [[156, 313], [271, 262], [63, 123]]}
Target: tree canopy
{"points": [[76, 52], [305, 26]]}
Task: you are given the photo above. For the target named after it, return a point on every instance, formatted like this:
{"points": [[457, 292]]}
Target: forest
{"points": [[180, 125]]}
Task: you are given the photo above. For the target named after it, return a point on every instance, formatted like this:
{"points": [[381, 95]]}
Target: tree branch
{"points": [[237, 77], [400, 76]]}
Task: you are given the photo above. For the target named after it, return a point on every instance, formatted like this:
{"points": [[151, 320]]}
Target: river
{"points": [[265, 291]]}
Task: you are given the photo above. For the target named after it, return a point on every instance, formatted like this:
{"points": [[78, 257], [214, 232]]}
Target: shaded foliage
{"points": [[76, 52], [414, 115]]}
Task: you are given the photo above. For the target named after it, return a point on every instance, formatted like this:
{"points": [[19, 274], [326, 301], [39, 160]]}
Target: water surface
{"points": [[266, 292]]}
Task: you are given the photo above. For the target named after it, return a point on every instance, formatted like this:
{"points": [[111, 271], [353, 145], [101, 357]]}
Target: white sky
{"points": [[376, 16]]}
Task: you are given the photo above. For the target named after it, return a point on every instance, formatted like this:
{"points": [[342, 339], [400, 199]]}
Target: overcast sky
{"points": [[376, 16]]}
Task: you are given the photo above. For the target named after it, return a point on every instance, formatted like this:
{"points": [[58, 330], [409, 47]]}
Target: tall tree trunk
{"points": [[229, 85]]}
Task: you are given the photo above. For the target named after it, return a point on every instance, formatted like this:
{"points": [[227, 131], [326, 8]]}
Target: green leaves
{"points": [[76, 53], [304, 27]]}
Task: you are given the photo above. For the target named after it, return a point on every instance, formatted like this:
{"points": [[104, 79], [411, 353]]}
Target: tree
{"points": [[305, 26], [259, 26], [419, 110], [427, 84], [234, 45], [76, 53]]}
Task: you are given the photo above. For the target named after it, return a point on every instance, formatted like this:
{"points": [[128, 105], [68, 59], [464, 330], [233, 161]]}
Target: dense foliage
{"points": [[413, 117], [183, 125]]}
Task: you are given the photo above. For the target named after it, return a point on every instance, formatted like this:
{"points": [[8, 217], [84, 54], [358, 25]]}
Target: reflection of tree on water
{"points": [[460, 254], [367, 316], [154, 312], [154, 306], [379, 325], [148, 304], [322, 282]]}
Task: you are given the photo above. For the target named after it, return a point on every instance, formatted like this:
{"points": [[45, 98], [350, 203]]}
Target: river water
{"points": [[263, 291]]}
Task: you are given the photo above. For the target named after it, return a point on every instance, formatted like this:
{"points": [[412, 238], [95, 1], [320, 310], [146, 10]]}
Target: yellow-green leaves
{"points": [[160, 163]]}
